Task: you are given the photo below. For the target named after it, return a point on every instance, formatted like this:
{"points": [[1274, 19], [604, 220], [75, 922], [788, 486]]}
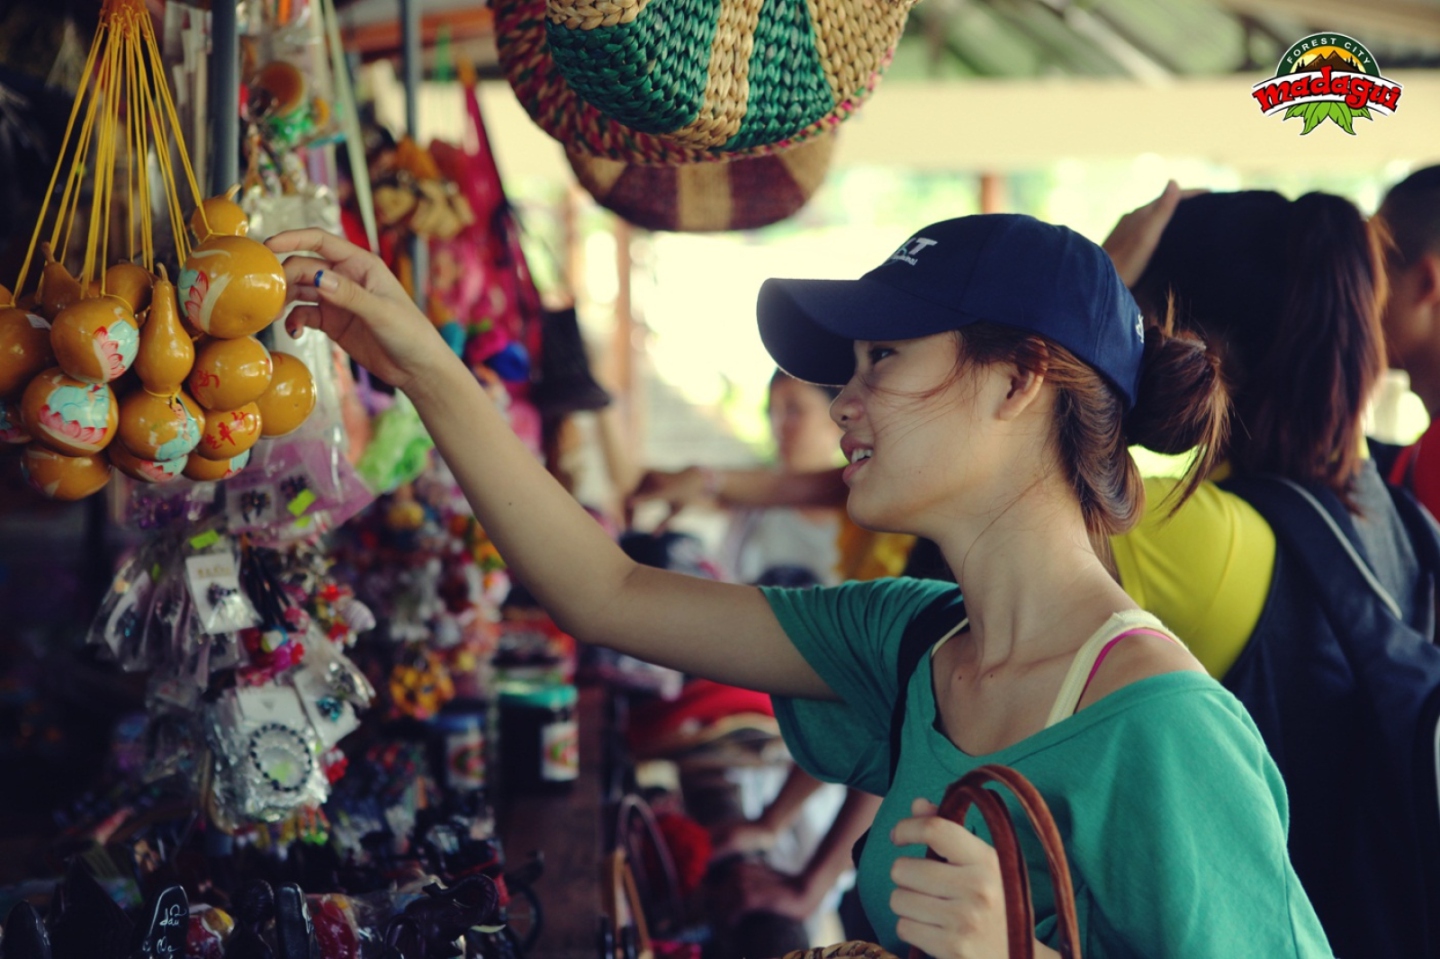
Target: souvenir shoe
{"points": [[25, 935], [254, 907], [88, 923], [293, 929], [165, 934]]}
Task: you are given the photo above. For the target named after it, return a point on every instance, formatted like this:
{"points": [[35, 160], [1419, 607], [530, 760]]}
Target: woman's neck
{"points": [[1034, 587]]}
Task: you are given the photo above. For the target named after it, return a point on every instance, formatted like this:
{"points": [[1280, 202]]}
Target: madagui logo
{"points": [[1327, 76]]}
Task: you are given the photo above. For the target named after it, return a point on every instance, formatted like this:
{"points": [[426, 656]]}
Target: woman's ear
{"points": [[1022, 390]]}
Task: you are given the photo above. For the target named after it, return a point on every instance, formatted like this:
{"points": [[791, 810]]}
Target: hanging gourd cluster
{"points": [[120, 366]]}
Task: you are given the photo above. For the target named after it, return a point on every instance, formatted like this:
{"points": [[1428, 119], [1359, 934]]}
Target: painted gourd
{"points": [[24, 348], [167, 354], [221, 216], [96, 340], [201, 470], [290, 398], [132, 284], [229, 434], [231, 286], [67, 415], [12, 424], [160, 427], [64, 477], [58, 289], [228, 374], [146, 471]]}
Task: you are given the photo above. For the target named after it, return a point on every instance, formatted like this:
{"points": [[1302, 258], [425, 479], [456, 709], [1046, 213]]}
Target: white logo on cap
{"points": [[911, 249], [1140, 326]]}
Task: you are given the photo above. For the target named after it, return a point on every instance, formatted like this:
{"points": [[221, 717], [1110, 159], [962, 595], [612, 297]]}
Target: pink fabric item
{"points": [[1105, 651]]}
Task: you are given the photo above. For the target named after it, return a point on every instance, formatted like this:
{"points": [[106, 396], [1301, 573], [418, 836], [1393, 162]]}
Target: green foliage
{"points": [[1317, 113]]}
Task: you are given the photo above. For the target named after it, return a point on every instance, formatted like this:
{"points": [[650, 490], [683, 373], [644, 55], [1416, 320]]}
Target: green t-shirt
{"points": [[1173, 814]]}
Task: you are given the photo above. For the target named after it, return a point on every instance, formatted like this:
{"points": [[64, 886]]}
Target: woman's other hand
{"points": [[953, 909], [677, 490], [741, 836], [350, 295], [753, 886], [1133, 240]]}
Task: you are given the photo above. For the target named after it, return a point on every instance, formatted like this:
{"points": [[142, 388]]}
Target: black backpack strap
{"points": [[1425, 538], [938, 618], [941, 616]]}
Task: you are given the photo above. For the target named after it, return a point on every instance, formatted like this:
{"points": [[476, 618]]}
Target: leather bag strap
{"points": [[970, 790]]}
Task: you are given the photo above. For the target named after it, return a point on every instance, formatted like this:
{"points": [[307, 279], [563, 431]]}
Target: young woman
{"points": [[995, 370]]}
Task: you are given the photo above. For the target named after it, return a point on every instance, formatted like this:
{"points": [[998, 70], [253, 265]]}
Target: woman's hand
{"points": [[1133, 240], [953, 909], [740, 836], [350, 295], [677, 490], [756, 887]]}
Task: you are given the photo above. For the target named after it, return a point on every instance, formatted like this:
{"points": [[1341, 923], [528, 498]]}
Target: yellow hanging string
{"points": [[102, 83], [167, 177], [106, 171], [70, 202], [142, 119], [55, 174], [148, 32], [131, 183], [104, 148]]}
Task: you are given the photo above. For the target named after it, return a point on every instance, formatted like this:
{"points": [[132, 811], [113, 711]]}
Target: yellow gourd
{"points": [[166, 353], [58, 289], [132, 284], [220, 216]]}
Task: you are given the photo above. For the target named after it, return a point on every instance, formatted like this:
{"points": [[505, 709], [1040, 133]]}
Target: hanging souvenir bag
{"points": [[970, 790]]}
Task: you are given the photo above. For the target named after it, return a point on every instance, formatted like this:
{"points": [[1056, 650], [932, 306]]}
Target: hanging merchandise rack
{"points": [[107, 368]]}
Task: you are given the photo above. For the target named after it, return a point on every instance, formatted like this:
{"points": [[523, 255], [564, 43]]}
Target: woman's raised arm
{"points": [[591, 588]]}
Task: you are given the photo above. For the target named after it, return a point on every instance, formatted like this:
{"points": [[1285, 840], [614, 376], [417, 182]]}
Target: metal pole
{"points": [[410, 40], [224, 96]]}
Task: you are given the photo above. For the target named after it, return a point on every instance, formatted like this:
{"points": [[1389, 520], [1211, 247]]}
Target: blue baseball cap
{"points": [[999, 268]]}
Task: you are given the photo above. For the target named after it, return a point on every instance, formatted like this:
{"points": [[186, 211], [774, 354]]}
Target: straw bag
{"points": [[735, 75], [969, 791]]}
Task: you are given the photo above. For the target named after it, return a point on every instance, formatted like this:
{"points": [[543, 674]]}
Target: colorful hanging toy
{"points": [[118, 366]]}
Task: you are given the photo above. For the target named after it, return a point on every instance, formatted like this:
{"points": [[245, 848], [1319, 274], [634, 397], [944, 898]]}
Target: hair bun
{"points": [[1182, 401]]}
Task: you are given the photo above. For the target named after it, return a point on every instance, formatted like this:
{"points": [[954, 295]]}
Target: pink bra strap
{"points": [[1105, 651]]}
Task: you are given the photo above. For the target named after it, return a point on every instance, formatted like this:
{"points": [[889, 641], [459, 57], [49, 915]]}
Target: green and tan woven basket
{"points": [[681, 81]]}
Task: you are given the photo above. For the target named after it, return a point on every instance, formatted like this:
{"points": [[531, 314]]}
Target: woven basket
{"points": [[741, 194], [680, 81]]}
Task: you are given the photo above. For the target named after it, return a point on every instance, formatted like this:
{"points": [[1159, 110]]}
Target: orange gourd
{"points": [[64, 477], [58, 289], [227, 435], [67, 415], [167, 354], [24, 348], [290, 398], [231, 286], [95, 340], [132, 284], [228, 374], [221, 216]]}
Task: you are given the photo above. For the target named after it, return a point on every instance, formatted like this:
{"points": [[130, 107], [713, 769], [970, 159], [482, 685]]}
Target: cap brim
{"points": [[809, 327]]}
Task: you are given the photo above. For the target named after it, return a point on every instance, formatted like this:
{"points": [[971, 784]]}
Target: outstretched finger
{"points": [[328, 245], [300, 318], [302, 275], [339, 290]]}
